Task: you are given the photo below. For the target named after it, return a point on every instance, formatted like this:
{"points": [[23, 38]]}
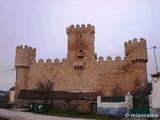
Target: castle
{"points": [[81, 70]]}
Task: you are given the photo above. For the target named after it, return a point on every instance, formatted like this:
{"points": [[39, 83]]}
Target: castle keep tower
{"points": [[80, 42], [25, 56]]}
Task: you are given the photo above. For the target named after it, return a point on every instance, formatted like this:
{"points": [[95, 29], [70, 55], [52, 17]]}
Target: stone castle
{"points": [[81, 70]]}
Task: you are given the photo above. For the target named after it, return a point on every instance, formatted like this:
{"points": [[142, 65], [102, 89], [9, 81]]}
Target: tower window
{"points": [[81, 54], [80, 35], [81, 51], [81, 45], [127, 54]]}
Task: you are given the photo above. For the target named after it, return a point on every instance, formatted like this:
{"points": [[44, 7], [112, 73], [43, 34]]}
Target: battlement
{"points": [[21, 47], [80, 28], [135, 41], [110, 59], [25, 56], [49, 61], [136, 51]]}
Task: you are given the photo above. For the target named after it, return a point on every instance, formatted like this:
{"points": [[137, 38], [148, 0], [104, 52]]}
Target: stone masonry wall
{"points": [[96, 76]]}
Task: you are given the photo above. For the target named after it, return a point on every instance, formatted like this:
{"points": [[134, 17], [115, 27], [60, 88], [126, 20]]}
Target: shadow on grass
{"points": [[74, 114]]}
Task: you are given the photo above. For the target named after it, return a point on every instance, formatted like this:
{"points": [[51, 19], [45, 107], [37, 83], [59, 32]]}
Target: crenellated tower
{"points": [[136, 51], [136, 58], [81, 42], [25, 56]]}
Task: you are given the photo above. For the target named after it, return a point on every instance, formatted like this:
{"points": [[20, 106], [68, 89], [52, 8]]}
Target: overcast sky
{"points": [[42, 24]]}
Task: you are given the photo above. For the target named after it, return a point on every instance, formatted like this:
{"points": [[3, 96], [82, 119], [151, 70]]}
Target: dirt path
{"points": [[17, 115]]}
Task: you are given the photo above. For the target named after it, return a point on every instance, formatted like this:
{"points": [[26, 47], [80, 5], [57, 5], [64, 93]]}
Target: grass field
{"points": [[75, 114]]}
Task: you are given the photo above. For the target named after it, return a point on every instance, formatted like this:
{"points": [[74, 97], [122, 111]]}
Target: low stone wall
{"points": [[77, 101], [76, 105], [111, 108], [23, 103], [72, 105]]}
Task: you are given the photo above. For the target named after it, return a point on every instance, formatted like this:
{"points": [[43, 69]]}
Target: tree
{"points": [[141, 90], [47, 88], [117, 91], [140, 94]]}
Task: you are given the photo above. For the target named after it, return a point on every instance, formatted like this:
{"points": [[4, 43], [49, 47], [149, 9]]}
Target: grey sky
{"points": [[42, 24]]}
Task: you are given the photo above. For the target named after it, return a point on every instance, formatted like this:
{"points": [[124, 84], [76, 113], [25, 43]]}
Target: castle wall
{"points": [[101, 75], [64, 75]]}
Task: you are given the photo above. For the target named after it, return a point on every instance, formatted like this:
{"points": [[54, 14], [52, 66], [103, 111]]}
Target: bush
{"points": [[6, 106]]}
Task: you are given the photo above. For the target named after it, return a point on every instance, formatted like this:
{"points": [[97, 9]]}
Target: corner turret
{"points": [[25, 56], [136, 51]]}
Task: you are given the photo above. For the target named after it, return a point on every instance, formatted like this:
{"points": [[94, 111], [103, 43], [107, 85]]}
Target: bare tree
{"points": [[40, 86], [137, 87], [47, 88], [117, 91]]}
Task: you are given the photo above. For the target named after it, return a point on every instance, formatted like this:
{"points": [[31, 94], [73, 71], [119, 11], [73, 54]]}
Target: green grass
{"points": [[6, 106], [74, 114]]}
